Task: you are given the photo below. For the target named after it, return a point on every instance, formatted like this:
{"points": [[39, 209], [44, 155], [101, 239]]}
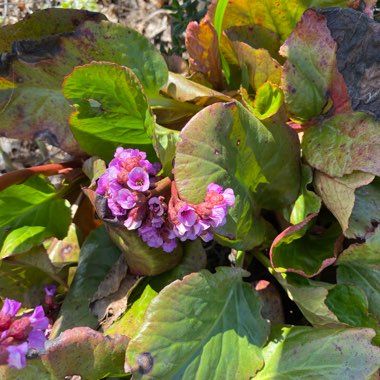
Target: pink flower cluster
{"points": [[18, 335], [127, 185]]}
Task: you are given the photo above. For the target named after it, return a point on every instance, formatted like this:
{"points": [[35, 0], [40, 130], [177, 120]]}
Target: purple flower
{"points": [[187, 215], [50, 290], [151, 236], [38, 319], [10, 307], [36, 340], [17, 355], [138, 179], [126, 199]]}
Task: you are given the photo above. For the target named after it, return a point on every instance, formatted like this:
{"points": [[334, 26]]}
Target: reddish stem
{"points": [[18, 176]]}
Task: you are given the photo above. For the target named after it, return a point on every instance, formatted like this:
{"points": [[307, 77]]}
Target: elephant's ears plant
{"points": [[267, 150]]}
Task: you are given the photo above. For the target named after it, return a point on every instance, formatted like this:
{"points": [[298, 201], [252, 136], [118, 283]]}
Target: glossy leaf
{"points": [[268, 100], [97, 256], [217, 145], [338, 194], [40, 66], [224, 338], [301, 250], [359, 265], [310, 66], [112, 109], [343, 144], [349, 303], [315, 353]]}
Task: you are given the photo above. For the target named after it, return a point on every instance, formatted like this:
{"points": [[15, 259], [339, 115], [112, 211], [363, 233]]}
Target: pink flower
{"points": [[138, 179]]}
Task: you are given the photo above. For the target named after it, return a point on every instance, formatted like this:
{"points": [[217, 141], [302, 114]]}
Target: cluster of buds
{"points": [[18, 335], [128, 183]]}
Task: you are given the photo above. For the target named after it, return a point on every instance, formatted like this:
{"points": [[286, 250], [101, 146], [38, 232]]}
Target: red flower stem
{"points": [[18, 176]]}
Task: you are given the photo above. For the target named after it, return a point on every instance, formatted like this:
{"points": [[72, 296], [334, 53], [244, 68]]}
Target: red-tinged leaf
{"points": [[202, 46], [84, 352], [309, 70], [305, 249], [343, 144]]}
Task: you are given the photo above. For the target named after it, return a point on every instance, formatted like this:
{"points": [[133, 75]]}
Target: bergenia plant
{"points": [[216, 223]]}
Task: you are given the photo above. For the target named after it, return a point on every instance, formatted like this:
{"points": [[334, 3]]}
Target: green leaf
{"points": [[24, 276], [17, 200], [366, 212], [165, 141], [308, 202], [309, 296], [359, 265], [310, 67], [278, 16], [316, 353], [303, 250], [40, 67], [215, 322], [338, 194], [349, 303], [112, 109], [260, 66], [22, 239], [343, 144], [42, 23], [217, 145], [268, 100], [97, 256], [129, 324]]}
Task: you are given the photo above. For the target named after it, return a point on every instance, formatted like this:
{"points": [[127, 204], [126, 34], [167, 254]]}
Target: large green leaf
{"points": [[316, 353], [343, 144], [97, 256], [207, 326], [280, 17], [303, 250], [218, 145], [30, 212], [359, 264], [36, 72], [350, 305], [310, 66], [112, 109]]}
